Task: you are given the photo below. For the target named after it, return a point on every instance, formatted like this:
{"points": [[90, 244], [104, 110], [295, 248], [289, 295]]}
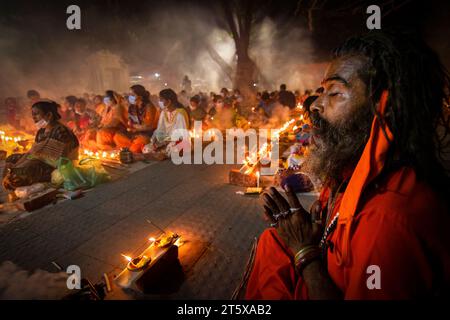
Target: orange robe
{"points": [[400, 226]]}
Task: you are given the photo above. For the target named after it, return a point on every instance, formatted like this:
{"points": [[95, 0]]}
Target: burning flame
{"points": [[128, 258], [255, 157], [152, 239], [98, 155], [5, 137], [179, 242]]}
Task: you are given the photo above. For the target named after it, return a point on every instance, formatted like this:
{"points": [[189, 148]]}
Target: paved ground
{"points": [[193, 200]]}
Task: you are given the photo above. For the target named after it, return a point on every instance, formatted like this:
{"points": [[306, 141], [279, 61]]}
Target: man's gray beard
{"points": [[339, 147]]}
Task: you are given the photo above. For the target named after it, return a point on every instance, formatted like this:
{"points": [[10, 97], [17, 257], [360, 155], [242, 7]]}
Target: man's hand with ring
{"points": [[293, 223]]}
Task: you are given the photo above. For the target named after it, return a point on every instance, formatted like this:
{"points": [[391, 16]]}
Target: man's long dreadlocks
{"points": [[417, 83]]}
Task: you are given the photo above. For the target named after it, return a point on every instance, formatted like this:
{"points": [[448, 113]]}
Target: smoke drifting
{"points": [[40, 53], [16, 283]]}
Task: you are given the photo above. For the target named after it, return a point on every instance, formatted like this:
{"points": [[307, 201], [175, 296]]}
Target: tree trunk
{"points": [[245, 73], [239, 16]]}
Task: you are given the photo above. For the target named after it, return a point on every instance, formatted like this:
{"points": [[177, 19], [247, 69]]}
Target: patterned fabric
{"points": [[38, 164]]}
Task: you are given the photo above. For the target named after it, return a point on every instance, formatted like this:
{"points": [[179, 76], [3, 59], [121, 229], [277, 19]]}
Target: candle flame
{"points": [[152, 239], [179, 242], [128, 258]]}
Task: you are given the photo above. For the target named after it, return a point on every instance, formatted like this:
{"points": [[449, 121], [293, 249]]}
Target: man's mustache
{"points": [[319, 124]]}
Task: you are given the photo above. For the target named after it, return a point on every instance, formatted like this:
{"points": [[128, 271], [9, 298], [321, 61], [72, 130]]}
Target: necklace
{"points": [[328, 230], [332, 225]]}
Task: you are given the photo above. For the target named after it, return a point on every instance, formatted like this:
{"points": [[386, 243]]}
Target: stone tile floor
{"points": [[195, 201]]}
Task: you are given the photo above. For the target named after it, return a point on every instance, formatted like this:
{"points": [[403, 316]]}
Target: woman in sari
{"points": [[53, 140], [142, 120], [113, 123]]}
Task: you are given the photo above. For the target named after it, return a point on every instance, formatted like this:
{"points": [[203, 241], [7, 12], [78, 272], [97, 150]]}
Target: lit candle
{"points": [[179, 242], [257, 179], [138, 263], [128, 258]]}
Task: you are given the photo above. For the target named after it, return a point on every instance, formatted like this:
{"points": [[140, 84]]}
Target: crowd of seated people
{"points": [[114, 120], [134, 120]]}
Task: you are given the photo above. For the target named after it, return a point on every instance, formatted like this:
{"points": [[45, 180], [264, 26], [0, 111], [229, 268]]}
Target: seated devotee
{"points": [[286, 98], [266, 105], [307, 108], [33, 96], [220, 116], [173, 117], [226, 97], [198, 113], [99, 106], [53, 140], [380, 227], [86, 123], [143, 120], [85, 118], [113, 123], [237, 95], [66, 110]]}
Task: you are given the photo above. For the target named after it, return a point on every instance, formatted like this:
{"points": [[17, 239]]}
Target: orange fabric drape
{"points": [[369, 166]]}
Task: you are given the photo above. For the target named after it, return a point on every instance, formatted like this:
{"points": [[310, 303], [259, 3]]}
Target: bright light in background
{"points": [[206, 68], [157, 75]]}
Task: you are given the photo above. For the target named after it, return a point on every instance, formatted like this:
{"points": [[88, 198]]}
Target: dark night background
{"points": [[34, 36]]}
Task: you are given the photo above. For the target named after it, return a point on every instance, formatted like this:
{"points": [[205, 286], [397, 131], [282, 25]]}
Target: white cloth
{"points": [[168, 123]]}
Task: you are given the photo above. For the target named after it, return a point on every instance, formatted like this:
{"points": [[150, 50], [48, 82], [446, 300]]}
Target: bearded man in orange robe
{"points": [[380, 229]]}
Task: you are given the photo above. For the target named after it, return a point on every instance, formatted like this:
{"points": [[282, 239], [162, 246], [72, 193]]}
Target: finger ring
{"points": [[286, 213], [295, 209]]}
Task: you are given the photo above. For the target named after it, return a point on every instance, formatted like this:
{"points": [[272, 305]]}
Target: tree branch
{"points": [[228, 13], [226, 68]]}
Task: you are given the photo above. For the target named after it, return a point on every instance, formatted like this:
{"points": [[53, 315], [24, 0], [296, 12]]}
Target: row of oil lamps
{"points": [[140, 262]]}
